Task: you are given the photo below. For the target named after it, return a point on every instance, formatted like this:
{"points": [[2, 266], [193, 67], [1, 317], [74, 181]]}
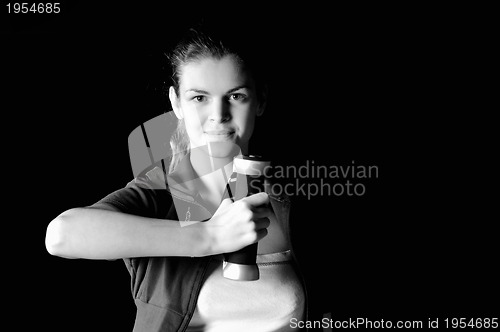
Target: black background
{"points": [[399, 88]]}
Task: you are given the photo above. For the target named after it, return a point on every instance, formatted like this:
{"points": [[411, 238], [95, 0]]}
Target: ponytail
{"points": [[179, 143]]}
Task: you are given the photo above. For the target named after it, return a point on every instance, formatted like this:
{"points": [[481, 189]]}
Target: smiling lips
{"points": [[219, 135]]}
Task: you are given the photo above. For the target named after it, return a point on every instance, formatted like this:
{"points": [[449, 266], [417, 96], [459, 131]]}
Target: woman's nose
{"points": [[220, 111]]}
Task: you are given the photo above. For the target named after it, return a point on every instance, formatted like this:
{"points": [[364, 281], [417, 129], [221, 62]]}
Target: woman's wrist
{"points": [[200, 238]]}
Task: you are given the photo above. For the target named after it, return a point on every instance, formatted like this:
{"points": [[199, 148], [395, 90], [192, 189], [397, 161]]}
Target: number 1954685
{"points": [[36, 8]]}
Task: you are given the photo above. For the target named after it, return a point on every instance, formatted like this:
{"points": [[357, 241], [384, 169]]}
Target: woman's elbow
{"points": [[56, 237]]}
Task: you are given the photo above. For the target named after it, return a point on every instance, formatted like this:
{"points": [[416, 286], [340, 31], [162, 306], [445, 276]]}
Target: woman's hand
{"points": [[238, 224]]}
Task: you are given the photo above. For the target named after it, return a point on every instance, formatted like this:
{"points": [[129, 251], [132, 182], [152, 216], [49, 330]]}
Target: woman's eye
{"points": [[237, 96], [199, 99]]}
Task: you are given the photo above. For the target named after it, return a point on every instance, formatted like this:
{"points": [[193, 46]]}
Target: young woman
{"points": [[154, 223]]}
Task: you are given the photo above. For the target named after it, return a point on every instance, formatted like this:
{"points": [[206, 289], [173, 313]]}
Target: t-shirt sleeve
{"points": [[142, 197]]}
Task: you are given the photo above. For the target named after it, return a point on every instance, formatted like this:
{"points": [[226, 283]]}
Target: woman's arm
{"points": [[103, 234]]}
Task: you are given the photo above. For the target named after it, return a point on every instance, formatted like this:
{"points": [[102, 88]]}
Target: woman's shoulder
{"points": [[151, 178]]}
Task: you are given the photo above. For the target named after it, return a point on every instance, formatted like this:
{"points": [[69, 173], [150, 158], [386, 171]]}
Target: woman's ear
{"points": [[174, 101], [261, 109], [262, 102]]}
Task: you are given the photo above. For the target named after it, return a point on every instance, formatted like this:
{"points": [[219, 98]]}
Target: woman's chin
{"points": [[222, 149]]}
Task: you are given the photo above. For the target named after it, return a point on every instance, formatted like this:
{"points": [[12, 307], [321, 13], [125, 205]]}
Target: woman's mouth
{"points": [[219, 135]]}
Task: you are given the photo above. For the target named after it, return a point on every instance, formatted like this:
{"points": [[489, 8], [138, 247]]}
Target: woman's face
{"points": [[217, 100]]}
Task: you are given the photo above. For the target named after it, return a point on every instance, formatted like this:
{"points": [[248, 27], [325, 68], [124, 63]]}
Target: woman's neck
{"points": [[212, 175], [204, 164]]}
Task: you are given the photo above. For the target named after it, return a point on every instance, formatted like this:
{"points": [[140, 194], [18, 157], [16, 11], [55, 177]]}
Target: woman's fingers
{"points": [[258, 199], [261, 233], [262, 212], [243, 222], [262, 223]]}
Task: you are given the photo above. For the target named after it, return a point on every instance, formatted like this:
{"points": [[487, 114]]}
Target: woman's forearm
{"points": [[102, 234]]}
